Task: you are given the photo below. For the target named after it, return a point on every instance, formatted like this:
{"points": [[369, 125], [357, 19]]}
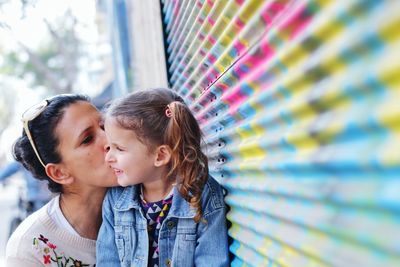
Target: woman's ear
{"points": [[162, 155], [58, 174]]}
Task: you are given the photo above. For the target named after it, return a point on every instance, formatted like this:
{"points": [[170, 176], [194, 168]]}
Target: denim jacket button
{"points": [[168, 262], [170, 224]]}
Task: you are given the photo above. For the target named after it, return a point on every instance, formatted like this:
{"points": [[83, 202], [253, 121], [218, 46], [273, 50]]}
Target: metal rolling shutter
{"points": [[299, 102]]}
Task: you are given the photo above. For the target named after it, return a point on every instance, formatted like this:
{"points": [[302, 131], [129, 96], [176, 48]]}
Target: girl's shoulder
{"points": [[213, 195]]}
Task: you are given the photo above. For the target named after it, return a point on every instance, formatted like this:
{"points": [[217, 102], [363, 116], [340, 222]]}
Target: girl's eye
{"points": [[87, 139], [119, 149]]}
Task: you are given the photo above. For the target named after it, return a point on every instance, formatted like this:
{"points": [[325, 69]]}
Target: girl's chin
{"points": [[121, 182]]}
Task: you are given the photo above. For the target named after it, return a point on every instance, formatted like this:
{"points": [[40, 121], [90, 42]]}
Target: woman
{"points": [[64, 143]]}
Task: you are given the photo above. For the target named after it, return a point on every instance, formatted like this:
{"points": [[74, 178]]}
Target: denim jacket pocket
{"points": [[190, 237], [123, 240], [185, 245], [121, 248]]}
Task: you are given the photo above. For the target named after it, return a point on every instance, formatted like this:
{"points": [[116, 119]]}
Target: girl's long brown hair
{"points": [[144, 112]]}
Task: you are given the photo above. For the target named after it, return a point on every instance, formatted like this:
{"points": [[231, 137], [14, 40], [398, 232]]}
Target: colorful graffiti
{"points": [[299, 102]]}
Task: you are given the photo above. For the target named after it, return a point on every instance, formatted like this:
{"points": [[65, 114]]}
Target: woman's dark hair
{"points": [[42, 129], [160, 116]]}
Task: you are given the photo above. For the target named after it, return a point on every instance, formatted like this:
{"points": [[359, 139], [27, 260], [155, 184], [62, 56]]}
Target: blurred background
{"points": [[46, 48], [298, 101]]}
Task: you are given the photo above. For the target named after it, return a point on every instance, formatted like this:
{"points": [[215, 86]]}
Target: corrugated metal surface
{"points": [[300, 105]]}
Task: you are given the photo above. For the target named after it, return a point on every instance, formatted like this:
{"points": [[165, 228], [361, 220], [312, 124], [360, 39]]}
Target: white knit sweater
{"points": [[39, 241]]}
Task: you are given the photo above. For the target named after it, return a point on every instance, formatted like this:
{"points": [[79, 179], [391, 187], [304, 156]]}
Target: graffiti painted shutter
{"points": [[299, 102]]}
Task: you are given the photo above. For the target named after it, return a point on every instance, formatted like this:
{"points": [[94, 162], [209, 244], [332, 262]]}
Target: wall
{"points": [[138, 45], [148, 58], [299, 103], [118, 20]]}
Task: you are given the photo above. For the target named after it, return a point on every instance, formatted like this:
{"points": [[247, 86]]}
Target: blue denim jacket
{"points": [[123, 239]]}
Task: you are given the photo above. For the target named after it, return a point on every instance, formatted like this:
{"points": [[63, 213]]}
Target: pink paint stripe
{"points": [[296, 23], [211, 39], [239, 23], [274, 9], [211, 21]]}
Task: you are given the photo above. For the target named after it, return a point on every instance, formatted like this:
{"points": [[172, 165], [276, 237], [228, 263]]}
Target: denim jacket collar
{"points": [[130, 198]]}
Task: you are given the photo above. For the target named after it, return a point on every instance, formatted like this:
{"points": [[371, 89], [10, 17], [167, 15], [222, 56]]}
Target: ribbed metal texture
{"points": [[300, 105]]}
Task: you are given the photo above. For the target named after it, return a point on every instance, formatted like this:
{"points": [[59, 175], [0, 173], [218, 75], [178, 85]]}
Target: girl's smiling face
{"points": [[131, 160]]}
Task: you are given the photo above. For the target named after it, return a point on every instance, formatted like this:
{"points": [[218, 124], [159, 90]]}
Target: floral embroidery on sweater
{"points": [[50, 254]]}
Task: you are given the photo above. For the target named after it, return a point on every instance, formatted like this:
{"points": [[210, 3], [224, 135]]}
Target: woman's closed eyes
{"points": [[87, 140]]}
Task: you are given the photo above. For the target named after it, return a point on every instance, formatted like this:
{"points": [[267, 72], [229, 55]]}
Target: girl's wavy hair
{"points": [[43, 130], [144, 112]]}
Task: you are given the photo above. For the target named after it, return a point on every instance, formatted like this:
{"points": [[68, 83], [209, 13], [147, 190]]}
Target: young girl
{"points": [[171, 212]]}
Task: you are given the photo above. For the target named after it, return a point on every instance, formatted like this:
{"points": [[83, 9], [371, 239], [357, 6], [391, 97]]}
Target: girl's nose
{"points": [[109, 155], [106, 148]]}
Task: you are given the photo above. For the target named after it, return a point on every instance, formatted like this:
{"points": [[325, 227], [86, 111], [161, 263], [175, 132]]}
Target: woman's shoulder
{"points": [[213, 195], [40, 239], [19, 244], [31, 224]]}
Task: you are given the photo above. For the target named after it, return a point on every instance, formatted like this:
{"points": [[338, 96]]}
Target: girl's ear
{"points": [[162, 155], [58, 174]]}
